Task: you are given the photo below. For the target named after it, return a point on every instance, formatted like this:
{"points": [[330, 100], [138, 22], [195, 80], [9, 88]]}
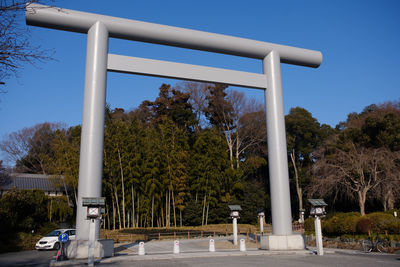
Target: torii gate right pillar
{"points": [[282, 237]]}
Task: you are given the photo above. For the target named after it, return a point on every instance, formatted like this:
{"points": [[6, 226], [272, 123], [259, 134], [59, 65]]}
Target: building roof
{"points": [[31, 181]]}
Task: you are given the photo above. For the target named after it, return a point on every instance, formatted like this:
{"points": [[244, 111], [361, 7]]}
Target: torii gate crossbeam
{"points": [[99, 28]]}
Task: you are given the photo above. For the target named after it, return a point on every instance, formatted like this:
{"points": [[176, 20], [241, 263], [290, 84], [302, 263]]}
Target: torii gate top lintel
{"points": [[77, 21]]}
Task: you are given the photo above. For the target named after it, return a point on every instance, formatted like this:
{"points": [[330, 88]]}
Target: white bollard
{"points": [[242, 245], [211, 246], [141, 249], [176, 247]]}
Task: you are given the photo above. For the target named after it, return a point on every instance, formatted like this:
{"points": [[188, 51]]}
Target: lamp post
{"points": [[261, 216], [318, 210], [95, 207], [235, 215]]}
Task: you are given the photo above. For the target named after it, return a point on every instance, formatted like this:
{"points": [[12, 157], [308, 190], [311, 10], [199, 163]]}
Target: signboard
{"points": [[63, 238]]}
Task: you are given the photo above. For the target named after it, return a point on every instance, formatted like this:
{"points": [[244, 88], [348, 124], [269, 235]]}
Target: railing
{"points": [[188, 234]]}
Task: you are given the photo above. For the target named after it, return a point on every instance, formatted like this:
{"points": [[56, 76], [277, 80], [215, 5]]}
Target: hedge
{"points": [[353, 223]]}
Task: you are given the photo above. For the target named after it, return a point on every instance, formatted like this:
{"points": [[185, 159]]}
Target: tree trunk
{"points": [[388, 202], [108, 217], [166, 209], [152, 211], [50, 209], [173, 206], [208, 206], [180, 217], [118, 210], [162, 217], [122, 187], [299, 190], [362, 196], [133, 207], [113, 208], [138, 211], [204, 209], [237, 149]]}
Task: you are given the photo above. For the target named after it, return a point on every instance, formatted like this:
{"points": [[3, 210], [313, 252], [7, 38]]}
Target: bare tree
{"points": [[353, 171], [388, 192], [198, 93], [249, 119], [16, 47], [29, 148]]}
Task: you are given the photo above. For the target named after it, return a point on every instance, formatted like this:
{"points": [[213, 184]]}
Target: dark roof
{"points": [[31, 181], [317, 202], [235, 207]]}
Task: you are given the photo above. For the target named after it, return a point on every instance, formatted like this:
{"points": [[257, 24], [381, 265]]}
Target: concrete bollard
{"points": [[242, 245], [141, 249], [211, 246], [176, 247]]}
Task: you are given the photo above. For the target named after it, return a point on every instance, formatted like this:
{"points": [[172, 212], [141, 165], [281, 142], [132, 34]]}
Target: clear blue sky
{"points": [[359, 40]]}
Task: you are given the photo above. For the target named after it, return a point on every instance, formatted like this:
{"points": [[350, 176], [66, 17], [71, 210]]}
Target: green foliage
{"points": [[341, 223], [364, 225], [24, 210], [382, 222], [309, 225], [20, 213], [58, 209], [254, 197], [352, 223]]}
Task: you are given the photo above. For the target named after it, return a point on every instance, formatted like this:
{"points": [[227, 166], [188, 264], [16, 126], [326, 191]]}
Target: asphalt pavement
{"points": [[195, 252]]}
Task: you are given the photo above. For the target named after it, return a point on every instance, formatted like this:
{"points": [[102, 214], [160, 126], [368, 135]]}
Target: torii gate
{"points": [[99, 28]]}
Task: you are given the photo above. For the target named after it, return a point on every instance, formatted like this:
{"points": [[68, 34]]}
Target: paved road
{"points": [[194, 253], [27, 258], [276, 260]]}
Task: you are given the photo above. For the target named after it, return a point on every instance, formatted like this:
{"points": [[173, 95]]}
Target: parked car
{"points": [[50, 241]]}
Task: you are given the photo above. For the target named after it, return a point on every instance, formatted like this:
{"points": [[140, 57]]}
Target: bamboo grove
{"points": [[182, 158]]}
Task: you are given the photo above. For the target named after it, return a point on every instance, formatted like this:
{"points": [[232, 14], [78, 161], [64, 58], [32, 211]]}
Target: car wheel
{"points": [[56, 246]]}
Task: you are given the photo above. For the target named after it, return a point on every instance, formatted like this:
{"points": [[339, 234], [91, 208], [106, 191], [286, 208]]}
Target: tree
{"points": [[16, 47], [377, 126], [198, 94], [175, 105], [30, 148], [353, 171], [4, 176], [209, 181], [65, 148], [250, 125], [304, 134], [220, 114]]}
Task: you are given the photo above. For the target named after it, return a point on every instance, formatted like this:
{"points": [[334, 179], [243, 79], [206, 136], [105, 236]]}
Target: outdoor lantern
{"points": [[318, 211], [260, 212], [95, 206], [261, 215], [317, 207], [234, 215], [235, 211]]}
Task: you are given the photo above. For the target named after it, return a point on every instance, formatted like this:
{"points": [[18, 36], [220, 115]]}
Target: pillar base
{"points": [[78, 249], [282, 242]]}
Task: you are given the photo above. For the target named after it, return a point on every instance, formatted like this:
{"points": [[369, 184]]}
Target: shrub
{"points": [[309, 225], [364, 225], [341, 223], [382, 222]]}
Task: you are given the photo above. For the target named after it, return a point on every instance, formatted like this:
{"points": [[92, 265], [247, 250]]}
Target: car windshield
{"points": [[54, 233]]}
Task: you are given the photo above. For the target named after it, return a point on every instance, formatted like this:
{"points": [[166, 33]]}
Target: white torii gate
{"points": [[100, 28]]}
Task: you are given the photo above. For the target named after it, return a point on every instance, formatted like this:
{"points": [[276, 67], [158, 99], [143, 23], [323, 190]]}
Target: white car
{"points": [[50, 241]]}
